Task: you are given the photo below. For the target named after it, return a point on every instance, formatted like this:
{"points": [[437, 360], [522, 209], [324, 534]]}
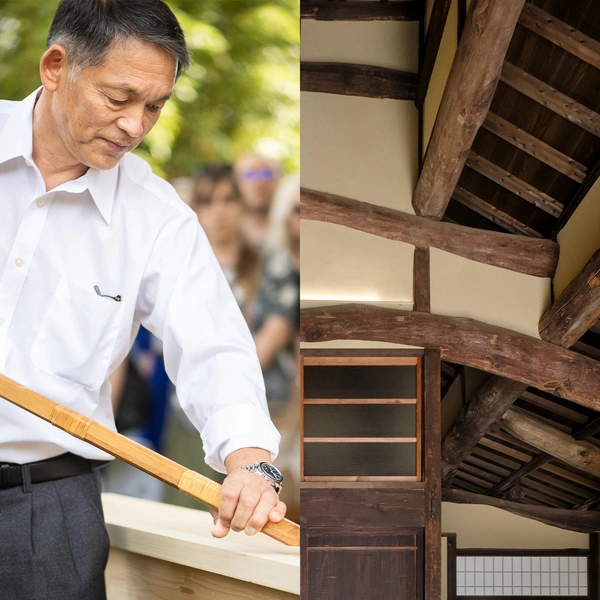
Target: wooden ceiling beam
{"points": [[576, 309], [563, 35], [492, 213], [407, 10], [524, 255], [582, 521], [513, 184], [551, 98], [466, 100], [465, 341], [579, 454], [357, 80], [535, 147]]}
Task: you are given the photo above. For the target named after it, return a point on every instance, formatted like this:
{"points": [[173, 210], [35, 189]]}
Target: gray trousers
{"points": [[53, 540]]}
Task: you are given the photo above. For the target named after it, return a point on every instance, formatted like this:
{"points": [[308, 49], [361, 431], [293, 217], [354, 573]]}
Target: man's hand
{"points": [[247, 500]]}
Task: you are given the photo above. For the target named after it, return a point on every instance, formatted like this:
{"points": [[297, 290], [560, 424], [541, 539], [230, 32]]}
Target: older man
{"points": [[93, 245]]}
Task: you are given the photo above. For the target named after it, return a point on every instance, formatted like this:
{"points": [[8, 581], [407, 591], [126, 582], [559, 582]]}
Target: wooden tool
{"points": [[189, 482]]}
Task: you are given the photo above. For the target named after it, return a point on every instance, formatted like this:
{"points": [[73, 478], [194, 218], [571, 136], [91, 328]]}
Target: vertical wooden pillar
{"points": [[421, 280], [451, 566], [432, 475], [594, 567]]}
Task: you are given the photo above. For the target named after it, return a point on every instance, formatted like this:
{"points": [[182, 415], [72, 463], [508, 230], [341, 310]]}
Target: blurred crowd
{"points": [[250, 213]]}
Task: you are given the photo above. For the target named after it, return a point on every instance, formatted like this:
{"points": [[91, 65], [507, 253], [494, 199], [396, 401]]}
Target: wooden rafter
{"points": [[471, 85], [576, 453], [465, 341], [535, 147], [561, 34], [583, 521], [487, 210], [513, 184], [525, 255], [551, 98], [324, 10], [576, 309], [357, 80]]}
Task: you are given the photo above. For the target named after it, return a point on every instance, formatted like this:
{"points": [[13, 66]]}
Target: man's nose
{"points": [[132, 121]]}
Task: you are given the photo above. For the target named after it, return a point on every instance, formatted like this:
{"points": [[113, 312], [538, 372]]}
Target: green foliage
{"points": [[241, 92]]}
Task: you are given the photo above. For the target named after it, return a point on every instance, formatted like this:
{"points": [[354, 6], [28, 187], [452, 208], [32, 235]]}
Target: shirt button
{"points": [[19, 262], [41, 202], [28, 163], [1, 321]]}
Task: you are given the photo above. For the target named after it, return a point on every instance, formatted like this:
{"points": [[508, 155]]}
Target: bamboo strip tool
{"points": [[189, 482]]}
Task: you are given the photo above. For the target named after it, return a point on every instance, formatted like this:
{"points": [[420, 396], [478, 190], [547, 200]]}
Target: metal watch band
{"points": [[257, 468]]}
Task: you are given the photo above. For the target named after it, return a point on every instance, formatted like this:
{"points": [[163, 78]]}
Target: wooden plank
{"points": [[366, 440], [492, 213], [357, 80], [524, 255], [576, 309], [551, 98], [515, 185], [583, 521], [471, 85], [535, 147], [407, 10], [465, 341], [562, 34], [360, 401], [345, 359], [421, 280], [433, 39], [578, 454], [432, 425]]}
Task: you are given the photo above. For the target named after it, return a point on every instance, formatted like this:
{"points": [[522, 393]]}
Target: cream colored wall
{"points": [[452, 402], [579, 239]]}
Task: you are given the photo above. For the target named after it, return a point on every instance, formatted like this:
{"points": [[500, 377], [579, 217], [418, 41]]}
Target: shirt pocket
{"points": [[77, 335]]}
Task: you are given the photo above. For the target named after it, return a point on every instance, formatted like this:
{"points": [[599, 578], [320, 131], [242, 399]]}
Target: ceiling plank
{"points": [[407, 10], [465, 341], [466, 100], [357, 80], [583, 521], [563, 35], [576, 309], [517, 253], [492, 213], [579, 454], [551, 98], [534, 147], [513, 184]]}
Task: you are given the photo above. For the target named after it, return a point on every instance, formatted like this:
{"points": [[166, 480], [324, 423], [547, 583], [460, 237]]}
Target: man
{"points": [[257, 178], [93, 245]]}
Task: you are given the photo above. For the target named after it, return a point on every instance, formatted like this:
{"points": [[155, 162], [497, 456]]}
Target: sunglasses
{"points": [[258, 175]]}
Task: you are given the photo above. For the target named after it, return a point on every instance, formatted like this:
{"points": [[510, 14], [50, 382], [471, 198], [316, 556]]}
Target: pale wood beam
{"points": [[583, 521], [513, 184], [465, 341], [492, 213], [551, 98], [561, 34], [471, 85], [407, 10], [524, 255], [577, 453], [576, 309], [534, 147], [357, 80]]}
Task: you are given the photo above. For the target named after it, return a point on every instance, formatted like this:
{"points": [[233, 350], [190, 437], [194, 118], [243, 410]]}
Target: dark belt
{"points": [[51, 469]]}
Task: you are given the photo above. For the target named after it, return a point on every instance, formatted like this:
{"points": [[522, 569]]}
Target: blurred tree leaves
{"points": [[241, 92]]}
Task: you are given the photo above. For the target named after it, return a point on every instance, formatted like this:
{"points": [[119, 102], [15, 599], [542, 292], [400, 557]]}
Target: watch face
{"points": [[271, 471]]}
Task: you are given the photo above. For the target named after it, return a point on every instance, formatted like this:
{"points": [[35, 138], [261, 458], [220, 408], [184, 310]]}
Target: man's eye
{"points": [[154, 107], [116, 102]]}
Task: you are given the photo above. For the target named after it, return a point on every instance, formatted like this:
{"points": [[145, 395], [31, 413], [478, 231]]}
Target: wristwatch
{"points": [[269, 472]]}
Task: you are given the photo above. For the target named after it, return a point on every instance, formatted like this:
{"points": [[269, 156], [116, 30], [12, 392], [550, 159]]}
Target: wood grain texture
{"points": [[421, 280], [524, 255], [465, 341], [408, 10], [189, 482], [582, 521], [466, 100], [357, 80]]}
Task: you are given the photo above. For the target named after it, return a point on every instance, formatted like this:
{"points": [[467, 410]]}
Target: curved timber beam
{"points": [[467, 97], [465, 341], [517, 253]]}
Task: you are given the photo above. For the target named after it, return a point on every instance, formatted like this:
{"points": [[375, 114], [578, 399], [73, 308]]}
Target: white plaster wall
{"points": [[464, 288], [390, 44]]}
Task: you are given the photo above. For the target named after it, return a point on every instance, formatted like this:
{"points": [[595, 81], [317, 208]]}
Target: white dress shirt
{"points": [[125, 232]]}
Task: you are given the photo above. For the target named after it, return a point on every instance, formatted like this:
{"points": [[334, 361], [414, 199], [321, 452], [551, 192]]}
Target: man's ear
{"points": [[54, 67]]}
